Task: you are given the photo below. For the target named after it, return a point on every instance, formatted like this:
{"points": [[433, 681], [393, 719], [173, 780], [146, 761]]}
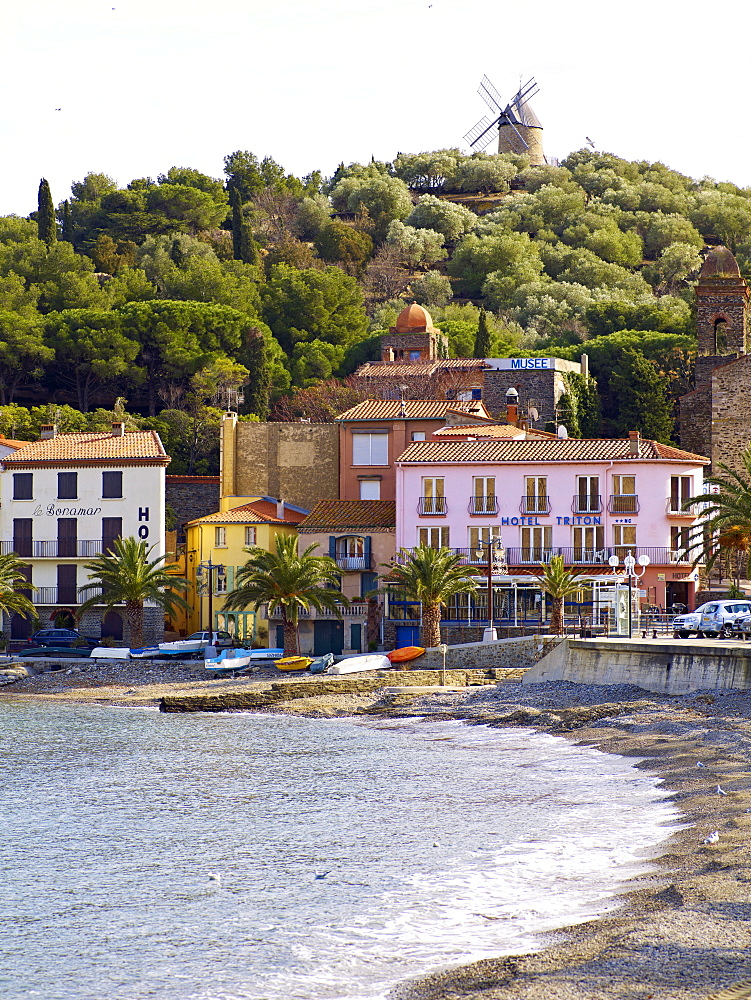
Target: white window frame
{"points": [[432, 535], [250, 535], [370, 489], [220, 536], [370, 448]]}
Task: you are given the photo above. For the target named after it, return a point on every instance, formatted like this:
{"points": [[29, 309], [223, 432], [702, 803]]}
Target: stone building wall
{"points": [[721, 298], [191, 497], [695, 422], [542, 387], [731, 413], [298, 463]]}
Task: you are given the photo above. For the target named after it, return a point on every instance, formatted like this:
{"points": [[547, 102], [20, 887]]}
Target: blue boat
{"points": [[321, 664]]}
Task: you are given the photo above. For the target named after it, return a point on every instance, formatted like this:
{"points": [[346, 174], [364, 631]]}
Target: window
{"points": [[368, 582], [112, 485], [589, 544], [67, 537], [220, 583], [537, 544], [536, 499], [436, 538], [370, 449], [624, 500], [433, 496], [680, 492], [370, 489], [67, 486], [418, 435], [250, 536], [680, 541], [588, 495], [414, 355], [478, 551], [624, 539], [220, 537], [67, 591], [112, 528], [23, 485], [22, 535], [483, 499]]}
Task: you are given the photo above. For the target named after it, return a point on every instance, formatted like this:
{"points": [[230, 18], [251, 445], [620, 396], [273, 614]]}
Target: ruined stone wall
{"points": [[294, 462], [191, 497], [731, 413], [695, 421]]}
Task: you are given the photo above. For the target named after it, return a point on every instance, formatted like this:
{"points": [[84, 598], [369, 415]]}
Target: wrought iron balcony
{"points": [[359, 610], [55, 548], [483, 505], [63, 595], [573, 555], [351, 564], [624, 503], [534, 505], [589, 504], [431, 505], [674, 507]]}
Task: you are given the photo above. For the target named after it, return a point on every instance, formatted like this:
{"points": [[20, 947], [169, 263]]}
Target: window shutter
{"points": [[332, 546], [366, 552], [230, 578]]}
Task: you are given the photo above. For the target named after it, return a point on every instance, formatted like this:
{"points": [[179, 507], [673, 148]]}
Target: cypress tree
{"points": [[482, 339], [46, 224], [238, 224], [258, 387], [67, 233]]}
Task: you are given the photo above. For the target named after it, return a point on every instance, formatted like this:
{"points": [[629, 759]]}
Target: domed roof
{"points": [[720, 263], [414, 318]]}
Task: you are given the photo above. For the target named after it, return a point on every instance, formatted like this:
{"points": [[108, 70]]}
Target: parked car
{"points": [[61, 638], [221, 640], [713, 619], [742, 627]]}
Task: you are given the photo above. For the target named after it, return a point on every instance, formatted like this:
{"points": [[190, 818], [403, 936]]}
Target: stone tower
{"points": [[721, 308], [529, 127]]}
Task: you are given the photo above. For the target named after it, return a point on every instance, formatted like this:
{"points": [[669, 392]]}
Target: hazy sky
{"points": [[143, 85]]}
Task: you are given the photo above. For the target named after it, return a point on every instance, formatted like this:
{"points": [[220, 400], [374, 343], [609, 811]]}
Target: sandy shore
{"points": [[682, 933]]}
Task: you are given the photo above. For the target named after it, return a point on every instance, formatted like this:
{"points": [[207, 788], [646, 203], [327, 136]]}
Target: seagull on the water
{"points": [[721, 791], [699, 764], [214, 876], [713, 837], [324, 874]]}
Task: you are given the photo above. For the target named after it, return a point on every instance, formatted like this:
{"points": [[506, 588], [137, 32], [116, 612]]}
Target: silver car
{"points": [[712, 619]]}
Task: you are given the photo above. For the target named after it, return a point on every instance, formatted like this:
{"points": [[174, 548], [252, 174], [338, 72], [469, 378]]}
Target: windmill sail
{"points": [[518, 127]]}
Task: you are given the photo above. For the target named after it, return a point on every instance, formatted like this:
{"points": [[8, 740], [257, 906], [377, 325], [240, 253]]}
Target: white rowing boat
{"points": [[356, 664]]}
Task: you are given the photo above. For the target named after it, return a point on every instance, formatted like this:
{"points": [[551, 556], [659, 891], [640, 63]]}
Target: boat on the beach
{"points": [[356, 664], [109, 653], [234, 661], [294, 663], [183, 646], [321, 664], [405, 653]]}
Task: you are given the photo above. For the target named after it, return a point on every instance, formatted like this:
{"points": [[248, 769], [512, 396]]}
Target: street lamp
{"points": [[629, 564], [208, 568], [496, 564]]}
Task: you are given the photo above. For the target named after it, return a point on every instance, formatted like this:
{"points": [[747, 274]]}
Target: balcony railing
{"points": [[534, 505], [483, 505], [431, 505], [351, 564], [586, 504], [55, 548], [353, 611], [674, 507], [63, 595], [624, 503], [575, 555]]}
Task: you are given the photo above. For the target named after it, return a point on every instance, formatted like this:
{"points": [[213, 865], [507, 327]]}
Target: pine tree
{"points": [[642, 398], [482, 339], [46, 224]]}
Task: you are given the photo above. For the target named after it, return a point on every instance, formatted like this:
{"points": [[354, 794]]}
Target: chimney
{"points": [[47, 431], [584, 362], [387, 355], [633, 444], [280, 509], [512, 406], [118, 429]]}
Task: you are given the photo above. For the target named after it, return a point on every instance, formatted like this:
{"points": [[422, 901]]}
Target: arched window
{"points": [[720, 335]]}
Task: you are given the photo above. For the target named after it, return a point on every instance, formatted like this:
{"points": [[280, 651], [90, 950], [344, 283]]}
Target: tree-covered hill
{"points": [[141, 292]]}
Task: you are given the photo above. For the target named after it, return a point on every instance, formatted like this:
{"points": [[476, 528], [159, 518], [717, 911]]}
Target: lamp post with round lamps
{"points": [[629, 565]]}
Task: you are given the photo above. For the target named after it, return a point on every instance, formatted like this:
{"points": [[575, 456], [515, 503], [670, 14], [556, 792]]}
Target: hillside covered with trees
{"points": [[172, 294]]}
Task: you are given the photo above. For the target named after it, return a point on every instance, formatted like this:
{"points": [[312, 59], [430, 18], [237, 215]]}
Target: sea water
{"points": [[350, 855]]}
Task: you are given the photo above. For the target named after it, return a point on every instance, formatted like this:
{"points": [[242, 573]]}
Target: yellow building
{"points": [[215, 550]]}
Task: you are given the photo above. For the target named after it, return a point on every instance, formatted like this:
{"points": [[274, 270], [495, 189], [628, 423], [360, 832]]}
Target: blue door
{"points": [[407, 635], [328, 637], [280, 637]]}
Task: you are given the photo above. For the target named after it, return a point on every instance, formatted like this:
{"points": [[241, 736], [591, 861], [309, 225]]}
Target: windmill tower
{"points": [[519, 128]]}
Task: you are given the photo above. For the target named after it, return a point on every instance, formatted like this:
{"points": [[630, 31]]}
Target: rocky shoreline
{"points": [[683, 931]]}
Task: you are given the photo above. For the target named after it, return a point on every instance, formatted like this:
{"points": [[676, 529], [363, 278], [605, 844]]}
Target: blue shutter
{"points": [[332, 546], [366, 552]]}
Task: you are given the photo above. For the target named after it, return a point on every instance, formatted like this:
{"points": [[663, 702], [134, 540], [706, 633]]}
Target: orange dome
{"points": [[413, 319], [720, 263]]}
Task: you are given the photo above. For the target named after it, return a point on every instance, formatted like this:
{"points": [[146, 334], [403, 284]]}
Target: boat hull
{"points": [[357, 664], [293, 663], [405, 654]]}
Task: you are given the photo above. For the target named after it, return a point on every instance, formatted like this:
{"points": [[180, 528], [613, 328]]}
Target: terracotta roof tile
{"points": [[395, 369], [507, 431], [550, 450], [99, 447], [255, 512], [337, 514], [415, 409]]}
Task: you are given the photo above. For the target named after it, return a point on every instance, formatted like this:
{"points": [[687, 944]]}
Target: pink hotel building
{"points": [[586, 500]]}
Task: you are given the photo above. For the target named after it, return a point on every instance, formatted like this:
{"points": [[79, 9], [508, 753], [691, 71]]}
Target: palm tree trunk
{"points": [[290, 635], [556, 615], [431, 626], [134, 616]]}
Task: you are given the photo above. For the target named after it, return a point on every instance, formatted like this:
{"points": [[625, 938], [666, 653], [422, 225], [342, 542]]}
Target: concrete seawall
{"points": [[665, 667]]}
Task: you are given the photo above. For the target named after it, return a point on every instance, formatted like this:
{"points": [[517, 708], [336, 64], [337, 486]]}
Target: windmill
{"points": [[519, 128]]}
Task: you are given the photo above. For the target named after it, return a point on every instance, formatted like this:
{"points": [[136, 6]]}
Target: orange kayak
{"points": [[405, 654]]}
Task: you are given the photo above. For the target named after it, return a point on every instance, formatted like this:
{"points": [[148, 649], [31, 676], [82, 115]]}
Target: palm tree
{"points": [[289, 581], [560, 583], [725, 525], [13, 579], [127, 576], [433, 577]]}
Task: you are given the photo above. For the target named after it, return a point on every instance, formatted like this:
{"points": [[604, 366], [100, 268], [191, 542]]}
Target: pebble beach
{"points": [[682, 932]]}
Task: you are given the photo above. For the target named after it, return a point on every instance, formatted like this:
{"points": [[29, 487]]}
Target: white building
{"points": [[65, 498]]}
